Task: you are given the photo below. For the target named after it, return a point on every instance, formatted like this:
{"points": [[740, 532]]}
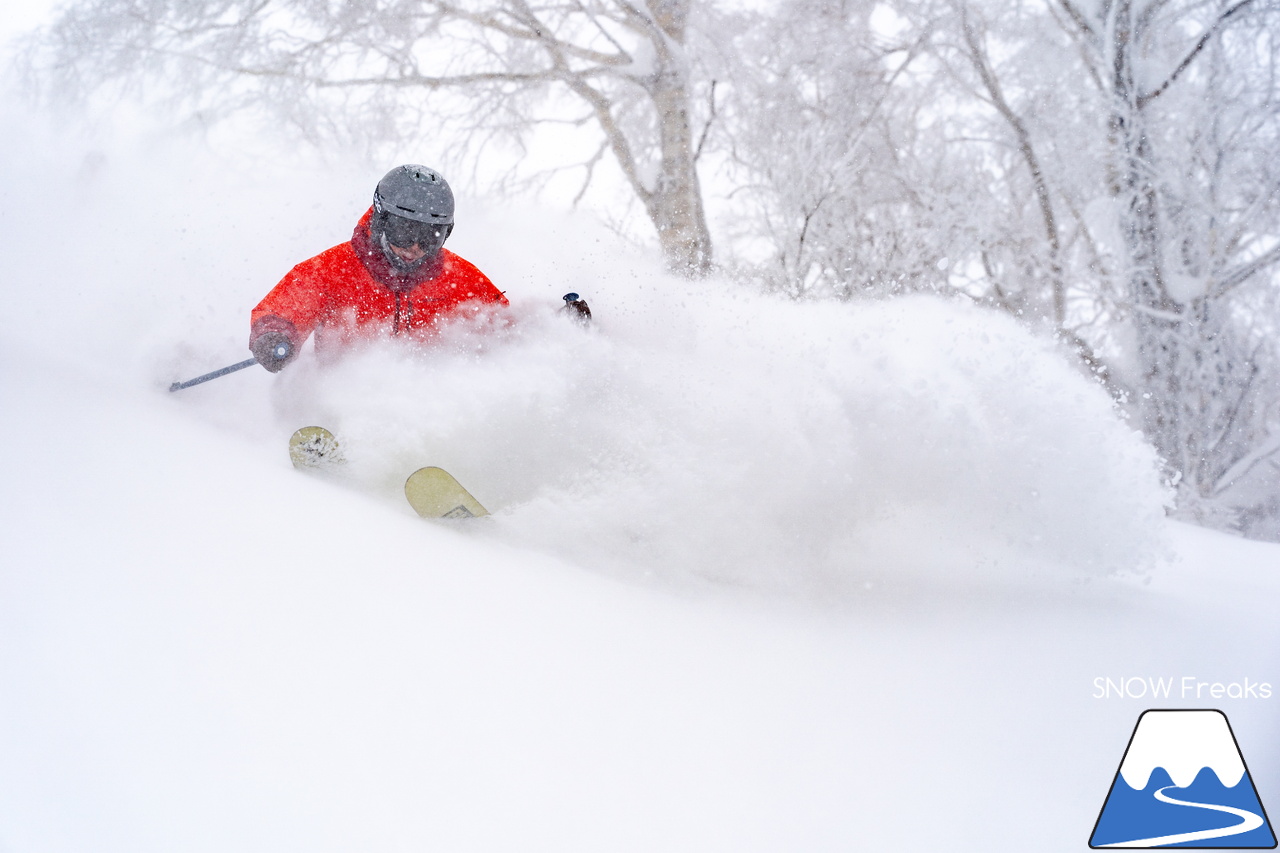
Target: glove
{"points": [[577, 308], [271, 344], [272, 350]]}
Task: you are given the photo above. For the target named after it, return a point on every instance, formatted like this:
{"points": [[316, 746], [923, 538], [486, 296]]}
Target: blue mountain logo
{"points": [[1183, 783]]}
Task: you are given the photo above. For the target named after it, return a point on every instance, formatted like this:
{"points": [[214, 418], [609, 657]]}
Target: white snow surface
{"points": [[760, 575]]}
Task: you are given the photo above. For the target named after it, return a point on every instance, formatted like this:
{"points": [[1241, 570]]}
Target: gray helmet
{"points": [[415, 192]]}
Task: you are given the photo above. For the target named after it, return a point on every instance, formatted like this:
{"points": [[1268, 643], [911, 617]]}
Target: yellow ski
{"points": [[315, 447], [434, 493]]}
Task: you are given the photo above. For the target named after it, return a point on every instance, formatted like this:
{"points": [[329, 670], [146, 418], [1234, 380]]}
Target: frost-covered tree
{"points": [[403, 70], [1139, 138], [847, 186], [1105, 169], [997, 70], [1189, 94]]}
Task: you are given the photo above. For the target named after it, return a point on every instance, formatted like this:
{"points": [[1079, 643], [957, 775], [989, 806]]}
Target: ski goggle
{"points": [[406, 232]]}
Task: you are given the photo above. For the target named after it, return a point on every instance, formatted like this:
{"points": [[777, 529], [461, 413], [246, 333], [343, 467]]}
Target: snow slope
{"points": [[761, 576]]}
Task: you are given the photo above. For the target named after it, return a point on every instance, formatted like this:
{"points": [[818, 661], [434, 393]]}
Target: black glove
{"points": [[273, 350], [577, 308], [271, 340]]}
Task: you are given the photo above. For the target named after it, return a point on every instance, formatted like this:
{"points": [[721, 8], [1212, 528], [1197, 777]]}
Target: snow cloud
{"points": [[701, 433], [697, 432]]}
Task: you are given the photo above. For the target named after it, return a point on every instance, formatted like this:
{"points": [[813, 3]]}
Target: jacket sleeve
{"points": [[293, 307], [475, 284]]}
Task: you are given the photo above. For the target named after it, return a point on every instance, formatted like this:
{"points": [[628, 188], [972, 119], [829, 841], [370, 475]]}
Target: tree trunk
{"points": [[675, 203], [1157, 318]]}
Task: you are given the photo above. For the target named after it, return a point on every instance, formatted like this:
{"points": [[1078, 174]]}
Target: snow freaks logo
{"points": [[1183, 783], [1186, 688]]}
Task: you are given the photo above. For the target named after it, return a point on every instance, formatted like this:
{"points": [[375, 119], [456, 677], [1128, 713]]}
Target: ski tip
{"points": [[314, 447], [434, 493]]}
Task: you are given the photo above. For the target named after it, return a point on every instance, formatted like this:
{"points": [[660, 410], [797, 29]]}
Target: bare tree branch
{"points": [[706, 128], [1242, 273], [978, 57], [1079, 20], [1195, 51]]}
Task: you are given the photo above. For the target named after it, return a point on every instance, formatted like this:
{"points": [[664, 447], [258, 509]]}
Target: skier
{"points": [[393, 276]]}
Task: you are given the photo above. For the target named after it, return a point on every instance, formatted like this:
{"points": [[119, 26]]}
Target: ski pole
{"points": [[231, 368], [280, 351]]}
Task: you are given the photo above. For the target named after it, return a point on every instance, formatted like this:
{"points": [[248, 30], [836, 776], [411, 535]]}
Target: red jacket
{"points": [[351, 292]]}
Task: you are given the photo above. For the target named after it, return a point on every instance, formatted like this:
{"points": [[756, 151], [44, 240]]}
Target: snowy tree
{"points": [[1138, 137], [1190, 103], [1106, 171], [846, 189], [410, 70], [1043, 159]]}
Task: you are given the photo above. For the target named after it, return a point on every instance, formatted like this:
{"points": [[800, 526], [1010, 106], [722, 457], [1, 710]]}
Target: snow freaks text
{"points": [[1186, 687]]}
